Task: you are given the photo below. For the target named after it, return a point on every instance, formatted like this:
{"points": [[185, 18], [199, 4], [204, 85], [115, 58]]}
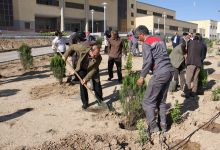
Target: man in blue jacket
{"points": [[155, 58]]}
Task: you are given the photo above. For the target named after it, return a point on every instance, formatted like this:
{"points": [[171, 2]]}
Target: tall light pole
{"points": [[104, 5], [62, 15], [86, 15], [158, 22], [164, 22], [92, 12]]}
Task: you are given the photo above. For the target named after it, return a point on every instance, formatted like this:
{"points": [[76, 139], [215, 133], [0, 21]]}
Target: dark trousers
{"points": [[155, 98], [192, 73], [96, 86], [180, 72], [111, 62]]}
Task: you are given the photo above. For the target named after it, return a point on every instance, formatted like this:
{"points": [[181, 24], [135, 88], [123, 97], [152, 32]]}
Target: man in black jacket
{"points": [[194, 63]]}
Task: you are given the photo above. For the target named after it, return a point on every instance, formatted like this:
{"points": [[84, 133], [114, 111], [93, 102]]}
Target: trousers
{"points": [[96, 87], [155, 98]]}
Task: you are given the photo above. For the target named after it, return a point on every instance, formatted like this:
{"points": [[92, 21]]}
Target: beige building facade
{"points": [[155, 18], [208, 28], [124, 15], [43, 15]]}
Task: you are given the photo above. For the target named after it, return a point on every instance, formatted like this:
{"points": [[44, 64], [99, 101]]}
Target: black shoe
{"points": [[185, 95], [109, 79], [85, 106], [119, 81]]}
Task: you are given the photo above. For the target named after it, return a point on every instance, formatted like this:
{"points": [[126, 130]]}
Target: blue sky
{"points": [[190, 9]]}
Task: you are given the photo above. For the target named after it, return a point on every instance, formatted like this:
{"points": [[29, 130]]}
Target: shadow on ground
{"points": [[27, 76], [8, 92], [16, 114]]}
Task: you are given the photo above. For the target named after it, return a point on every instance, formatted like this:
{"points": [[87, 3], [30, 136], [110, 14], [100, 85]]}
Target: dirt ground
{"points": [[38, 113]]}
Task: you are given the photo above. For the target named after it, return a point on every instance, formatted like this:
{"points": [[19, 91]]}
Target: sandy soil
{"points": [[38, 113]]}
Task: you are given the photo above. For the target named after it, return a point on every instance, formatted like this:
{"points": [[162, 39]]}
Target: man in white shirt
{"points": [[58, 44]]}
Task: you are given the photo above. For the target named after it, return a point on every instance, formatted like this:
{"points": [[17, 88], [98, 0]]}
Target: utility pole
{"points": [[86, 16], [164, 22], [104, 5], [92, 12], [62, 15]]}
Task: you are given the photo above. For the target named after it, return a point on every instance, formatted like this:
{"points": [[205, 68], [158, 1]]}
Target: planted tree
{"points": [[131, 96], [208, 42], [203, 78], [142, 137], [176, 113], [126, 47], [25, 56], [216, 94], [57, 66], [99, 41]]}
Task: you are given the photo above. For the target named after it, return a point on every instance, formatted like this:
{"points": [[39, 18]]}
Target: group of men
{"points": [[155, 59], [187, 59]]}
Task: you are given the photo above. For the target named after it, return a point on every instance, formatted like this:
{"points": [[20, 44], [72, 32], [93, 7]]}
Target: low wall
{"points": [[14, 42]]}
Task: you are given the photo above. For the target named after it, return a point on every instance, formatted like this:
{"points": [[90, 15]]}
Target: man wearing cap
{"points": [[88, 68], [155, 58]]}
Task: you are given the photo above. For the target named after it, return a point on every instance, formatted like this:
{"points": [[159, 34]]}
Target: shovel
{"points": [[72, 71]]}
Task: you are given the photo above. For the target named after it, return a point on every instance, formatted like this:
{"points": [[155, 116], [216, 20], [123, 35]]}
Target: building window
{"points": [[161, 26], [132, 22], [132, 5], [185, 29], [74, 5], [132, 14], [6, 13], [27, 25], [141, 11], [96, 8], [170, 17], [194, 30], [157, 14], [175, 28], [48, 2]]}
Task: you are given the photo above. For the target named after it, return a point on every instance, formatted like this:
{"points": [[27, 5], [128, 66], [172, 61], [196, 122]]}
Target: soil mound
{"points": [[43, 91]]}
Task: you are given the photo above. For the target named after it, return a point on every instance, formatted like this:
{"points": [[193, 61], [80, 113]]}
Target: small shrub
{"points": [[215, 94], [25, 56], [99, 41], [126, 46], [142, 137], [203, 78], [175, 112], [128, 65], [57, 66], [131, 95], [169, 50], [208, 42]]}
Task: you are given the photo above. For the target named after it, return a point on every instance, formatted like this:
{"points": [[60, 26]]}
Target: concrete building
{"points": [[218, 31], [124, 15], [41, 15], [208, 28], [153, 17]]}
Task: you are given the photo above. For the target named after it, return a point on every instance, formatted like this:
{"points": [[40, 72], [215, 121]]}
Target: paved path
{"points": [[13, 55]]}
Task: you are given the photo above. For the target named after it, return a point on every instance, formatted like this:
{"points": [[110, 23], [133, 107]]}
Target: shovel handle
{"points": [[74, 72]]}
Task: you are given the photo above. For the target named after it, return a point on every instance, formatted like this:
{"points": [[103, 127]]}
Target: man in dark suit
{"points": [[175, 39]]}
